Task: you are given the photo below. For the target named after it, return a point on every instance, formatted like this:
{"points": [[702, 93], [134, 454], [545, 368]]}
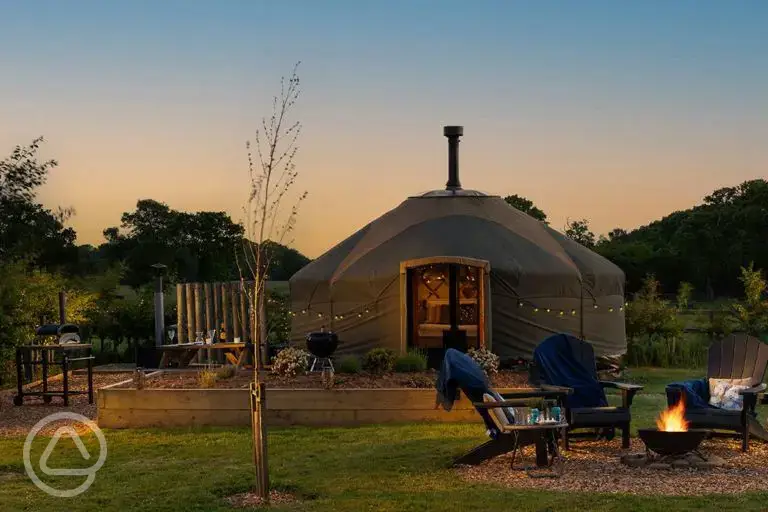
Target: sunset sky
{"points": [[620, 112]]}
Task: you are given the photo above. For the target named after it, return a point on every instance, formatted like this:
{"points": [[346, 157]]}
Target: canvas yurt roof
{"points": [[530, 264]]}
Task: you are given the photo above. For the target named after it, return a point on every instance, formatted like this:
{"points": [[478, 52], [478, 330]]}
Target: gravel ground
{"points": [[594, 466], [18, 421]]}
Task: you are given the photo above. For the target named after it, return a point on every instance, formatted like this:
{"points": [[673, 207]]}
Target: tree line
{"points": [[705, 245]]}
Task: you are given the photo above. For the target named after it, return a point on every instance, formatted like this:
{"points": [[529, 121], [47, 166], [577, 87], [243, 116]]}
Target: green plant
{"points": [[654, 331], [290, 362], [379, 360], [226, 372], [349, 365], [684, 292], [413, 361], [207, 378], [487, 360], [751, 315]]}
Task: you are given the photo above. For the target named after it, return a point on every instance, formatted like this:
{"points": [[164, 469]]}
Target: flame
{"points": [[673, 419]]}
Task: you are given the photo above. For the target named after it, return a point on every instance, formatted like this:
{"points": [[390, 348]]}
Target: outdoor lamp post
{"points": [[159, 308]]}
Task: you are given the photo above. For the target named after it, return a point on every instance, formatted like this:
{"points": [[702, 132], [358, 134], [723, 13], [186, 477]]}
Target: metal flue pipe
{"points": [[453, 133]]}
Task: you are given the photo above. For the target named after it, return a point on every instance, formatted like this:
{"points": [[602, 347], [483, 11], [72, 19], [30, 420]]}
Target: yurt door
{"points": [[444, 305]]}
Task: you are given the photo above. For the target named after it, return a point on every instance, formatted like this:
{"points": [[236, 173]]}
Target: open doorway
{"points": [[445, 308]]}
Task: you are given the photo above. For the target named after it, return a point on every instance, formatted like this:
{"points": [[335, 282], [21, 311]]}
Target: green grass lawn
{"points": [[378, 468]]}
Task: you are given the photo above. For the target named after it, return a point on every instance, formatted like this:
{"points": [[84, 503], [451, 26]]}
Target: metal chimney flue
{"points": [[453, 133]]}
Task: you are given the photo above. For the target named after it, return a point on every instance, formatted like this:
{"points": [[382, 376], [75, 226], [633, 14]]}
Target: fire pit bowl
{"points": [[322, 344], [671, 443]]}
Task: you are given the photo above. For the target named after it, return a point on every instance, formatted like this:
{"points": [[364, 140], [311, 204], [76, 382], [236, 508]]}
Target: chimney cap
{"points": [[453, 131]]}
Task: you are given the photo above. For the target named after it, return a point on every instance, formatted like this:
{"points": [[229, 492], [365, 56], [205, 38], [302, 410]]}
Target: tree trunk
{"points": [[258, 398]]}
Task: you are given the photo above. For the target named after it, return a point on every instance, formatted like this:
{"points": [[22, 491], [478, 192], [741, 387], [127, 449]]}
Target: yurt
{"points": [[459, 268]]}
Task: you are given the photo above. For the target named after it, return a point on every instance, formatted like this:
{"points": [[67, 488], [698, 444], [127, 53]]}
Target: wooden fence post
{"points": [[190, 312], [225, 311], [235, 304], [199, 325], [180, 314], [243, 289]]}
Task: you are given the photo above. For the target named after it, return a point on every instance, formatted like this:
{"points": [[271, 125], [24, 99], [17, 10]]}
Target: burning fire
{"points": [[673, 419]]}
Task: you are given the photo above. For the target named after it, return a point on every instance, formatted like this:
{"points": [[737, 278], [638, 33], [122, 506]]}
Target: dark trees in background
{"points": [[28, 231], [196, 247], [705, 245], [578, 230], [526, 206]]}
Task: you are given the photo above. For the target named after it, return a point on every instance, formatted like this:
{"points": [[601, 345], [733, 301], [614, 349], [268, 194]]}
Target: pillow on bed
{"points": [[724, 393]]}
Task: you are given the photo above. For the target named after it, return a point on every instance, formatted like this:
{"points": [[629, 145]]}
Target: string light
{"points": [[360, 312]]}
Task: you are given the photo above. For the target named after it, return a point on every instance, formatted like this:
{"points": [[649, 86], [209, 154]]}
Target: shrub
{"points": [[207, 378], [655, 332], [290, 362], [379, 360], [413, 361], [487, 360], [751, 315], [349, 364], [226, 372]]}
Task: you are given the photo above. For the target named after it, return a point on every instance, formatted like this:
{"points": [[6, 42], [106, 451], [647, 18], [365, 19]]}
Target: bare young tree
{"points": [[272, 171]]}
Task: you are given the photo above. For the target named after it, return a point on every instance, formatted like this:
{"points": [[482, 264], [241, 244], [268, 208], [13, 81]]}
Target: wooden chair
{"points": [[502, 439], [738, 356], [598, 419]]}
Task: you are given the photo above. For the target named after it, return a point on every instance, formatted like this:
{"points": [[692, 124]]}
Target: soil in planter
{"points": [[415, 380]]}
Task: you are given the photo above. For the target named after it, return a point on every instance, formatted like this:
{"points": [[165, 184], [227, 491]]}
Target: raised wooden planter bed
{"points": [[132, 408]]}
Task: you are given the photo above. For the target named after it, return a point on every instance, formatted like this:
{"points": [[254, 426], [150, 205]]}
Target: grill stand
{"points": [[325, 364]]}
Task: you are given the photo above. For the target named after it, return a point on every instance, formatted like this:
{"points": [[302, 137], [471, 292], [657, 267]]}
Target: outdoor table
{"points": [[545, 440], [185, 353], [542, 435], [25, 357]]}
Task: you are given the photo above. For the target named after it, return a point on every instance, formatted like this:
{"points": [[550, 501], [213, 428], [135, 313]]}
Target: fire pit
{"points": [[672, 437], [672, 444]]}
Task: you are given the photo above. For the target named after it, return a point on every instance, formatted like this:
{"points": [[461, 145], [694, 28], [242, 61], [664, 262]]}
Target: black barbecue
{"points": [[671, 443], [322, 344]]}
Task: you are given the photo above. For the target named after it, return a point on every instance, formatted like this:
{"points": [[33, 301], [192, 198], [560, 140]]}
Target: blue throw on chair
{"points": [[459, 371], [560, 366], [695, 393]]}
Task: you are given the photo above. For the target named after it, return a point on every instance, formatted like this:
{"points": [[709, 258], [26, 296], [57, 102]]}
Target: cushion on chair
{"points": [[508, 411], [724, 393], [498, 416]]}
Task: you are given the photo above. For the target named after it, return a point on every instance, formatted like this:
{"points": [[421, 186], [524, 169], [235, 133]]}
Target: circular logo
{"points": [[69, 431]]}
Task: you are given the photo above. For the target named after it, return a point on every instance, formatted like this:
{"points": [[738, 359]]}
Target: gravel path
{"points": [[18, 421], [594, 466]]}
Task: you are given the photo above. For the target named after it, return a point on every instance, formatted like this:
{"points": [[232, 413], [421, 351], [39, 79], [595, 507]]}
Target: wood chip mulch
{"points": [[19, 420], [594, 466], [249, 499], [417, 380]]}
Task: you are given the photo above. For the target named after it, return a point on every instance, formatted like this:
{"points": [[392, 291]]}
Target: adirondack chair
{"points": [[566, 361], [738, 356], [460, 373]]}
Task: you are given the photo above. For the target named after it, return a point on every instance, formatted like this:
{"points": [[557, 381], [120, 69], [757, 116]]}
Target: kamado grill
{"points": [[322, 345]]}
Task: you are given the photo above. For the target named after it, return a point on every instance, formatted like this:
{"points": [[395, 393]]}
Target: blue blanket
{"points": [[695, 393], [559, 366], [459, 371]]}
